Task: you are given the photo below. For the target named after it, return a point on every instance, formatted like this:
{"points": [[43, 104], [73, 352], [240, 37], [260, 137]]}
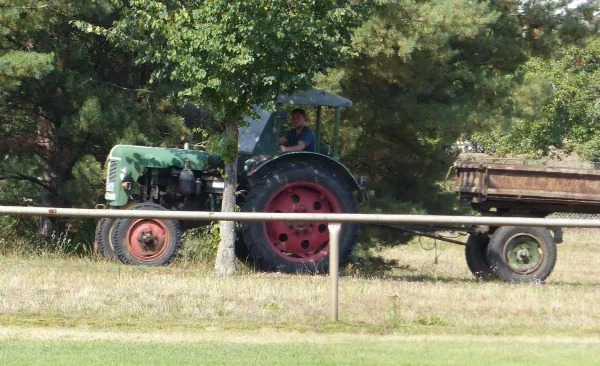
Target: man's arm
{"points": [[282, 140], [300, 147]]}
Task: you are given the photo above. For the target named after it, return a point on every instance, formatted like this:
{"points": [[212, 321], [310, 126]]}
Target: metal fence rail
{"points": [[302, 217], [333, 220]]}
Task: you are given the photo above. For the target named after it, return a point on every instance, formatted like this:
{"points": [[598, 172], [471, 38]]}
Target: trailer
{"points": [[520, 254]]}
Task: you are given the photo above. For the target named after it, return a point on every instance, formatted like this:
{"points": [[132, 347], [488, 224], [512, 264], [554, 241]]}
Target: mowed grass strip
{"points": [[417, 297], [360, 352]]}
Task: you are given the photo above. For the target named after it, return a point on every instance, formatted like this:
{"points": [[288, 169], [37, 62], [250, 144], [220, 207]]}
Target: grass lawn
{"points": [[416, 313], [360, 352]]}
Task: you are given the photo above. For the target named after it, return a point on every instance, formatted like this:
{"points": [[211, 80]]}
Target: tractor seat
{"points": [[325, 149]]}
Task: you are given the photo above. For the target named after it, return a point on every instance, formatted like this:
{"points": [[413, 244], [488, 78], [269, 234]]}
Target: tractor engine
{"points": [[184, 189], [176, 179]]}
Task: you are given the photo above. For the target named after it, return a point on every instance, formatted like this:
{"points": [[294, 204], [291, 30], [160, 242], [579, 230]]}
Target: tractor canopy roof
{"points": [[315, 97], [260, 134]]}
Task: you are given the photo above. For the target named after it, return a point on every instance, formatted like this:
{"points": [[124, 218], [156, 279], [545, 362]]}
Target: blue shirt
{"points": [[307, 136]]}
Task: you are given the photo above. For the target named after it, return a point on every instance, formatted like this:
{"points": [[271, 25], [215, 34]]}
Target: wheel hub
{"points": [[147, 240], [523, 253], [300, 241], [298, 226]]}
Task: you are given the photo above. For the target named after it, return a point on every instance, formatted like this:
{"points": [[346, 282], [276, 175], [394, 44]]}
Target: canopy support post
{"points": [[318, 129], [336, 133]]}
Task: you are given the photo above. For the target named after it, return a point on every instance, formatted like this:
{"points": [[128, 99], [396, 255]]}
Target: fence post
{"points": [[334, 266]]}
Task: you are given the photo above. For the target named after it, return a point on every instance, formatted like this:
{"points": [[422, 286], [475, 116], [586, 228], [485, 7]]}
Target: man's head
{"points": [[298, 118]]}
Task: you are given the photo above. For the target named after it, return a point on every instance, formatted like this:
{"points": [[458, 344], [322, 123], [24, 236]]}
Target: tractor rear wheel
{"points": [[297, 246], [103, 238], [146, 242], [241, 249]]}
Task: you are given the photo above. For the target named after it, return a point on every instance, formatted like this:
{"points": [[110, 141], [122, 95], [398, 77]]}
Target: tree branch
{"points": [[19, 176], [22, 202], [129, 89]]}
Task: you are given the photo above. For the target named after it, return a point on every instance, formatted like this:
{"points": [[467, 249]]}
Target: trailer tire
{"points": [[103, 238], [297, 187], [162, 243], [476, 255], [522, 254]]}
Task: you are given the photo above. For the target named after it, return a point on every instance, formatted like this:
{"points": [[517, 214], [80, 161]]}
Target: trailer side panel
{"points": [[521, 186]]}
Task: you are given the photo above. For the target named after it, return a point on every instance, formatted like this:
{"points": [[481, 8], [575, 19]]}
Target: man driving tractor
{"points": [[301, 137]]}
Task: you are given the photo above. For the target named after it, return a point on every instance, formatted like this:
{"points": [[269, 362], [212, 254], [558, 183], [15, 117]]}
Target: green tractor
{"points": [[149, 178]]}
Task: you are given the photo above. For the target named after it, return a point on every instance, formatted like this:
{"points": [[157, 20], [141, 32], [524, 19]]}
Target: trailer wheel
{"points": [[103, 238], [522, 254], [146, 242], [476, 255], [298, 246]]}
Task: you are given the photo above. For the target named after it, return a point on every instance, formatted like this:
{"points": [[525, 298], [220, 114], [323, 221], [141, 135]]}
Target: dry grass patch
{"points": [[417, 297]]}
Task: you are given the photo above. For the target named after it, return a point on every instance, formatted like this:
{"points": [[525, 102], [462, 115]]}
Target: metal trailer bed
{"points": [[525, 189]]}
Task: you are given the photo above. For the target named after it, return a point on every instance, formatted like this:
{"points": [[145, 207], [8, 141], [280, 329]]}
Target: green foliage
{"points": [[226, 147], [66, 97], [429, 72], [15, 65], [232, 55], [84, 187], [416, 85], [200, 244], [562, 106]]}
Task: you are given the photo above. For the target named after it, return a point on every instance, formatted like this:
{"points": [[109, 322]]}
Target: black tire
{"points": [[264, 255], [508, 241], [104, 238], [165, 257], [476, 255]]}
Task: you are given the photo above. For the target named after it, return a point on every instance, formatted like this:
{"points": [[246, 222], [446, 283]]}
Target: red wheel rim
{"points": [[147, 240], [300, 242]]}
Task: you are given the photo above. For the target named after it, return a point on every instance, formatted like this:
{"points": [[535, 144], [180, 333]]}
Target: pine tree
{"points": [[66, 98], [429, 72]]}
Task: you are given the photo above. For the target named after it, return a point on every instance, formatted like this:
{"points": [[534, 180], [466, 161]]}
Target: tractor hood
{"points": [[127, 163]]}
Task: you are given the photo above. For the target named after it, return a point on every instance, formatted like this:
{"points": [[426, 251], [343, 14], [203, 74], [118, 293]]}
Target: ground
{"points": [[68, 311]]}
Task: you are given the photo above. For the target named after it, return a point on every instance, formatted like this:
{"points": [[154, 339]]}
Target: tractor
{"points": [[150, 178]]}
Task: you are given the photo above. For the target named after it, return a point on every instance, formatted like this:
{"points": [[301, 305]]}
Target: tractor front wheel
{"points": [[103, 238], [297, 246], [146, 242]]}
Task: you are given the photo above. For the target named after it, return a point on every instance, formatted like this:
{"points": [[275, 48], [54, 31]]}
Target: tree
{"points": [[66, 97], [428, 72], [563, 101], [231, 55]]}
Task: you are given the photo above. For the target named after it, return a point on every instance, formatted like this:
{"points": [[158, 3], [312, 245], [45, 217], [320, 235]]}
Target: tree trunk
{"points": [[225, 263], [47, 199], [54, 164]]}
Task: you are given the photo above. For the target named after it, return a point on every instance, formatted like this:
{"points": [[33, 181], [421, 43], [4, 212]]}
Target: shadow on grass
{"points": [[426, 278]]}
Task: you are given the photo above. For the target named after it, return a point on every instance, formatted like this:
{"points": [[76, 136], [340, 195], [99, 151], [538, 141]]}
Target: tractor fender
{"points": [[335, 167]]}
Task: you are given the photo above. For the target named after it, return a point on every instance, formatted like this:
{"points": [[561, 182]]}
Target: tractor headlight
{"points": [[123, 172]]}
